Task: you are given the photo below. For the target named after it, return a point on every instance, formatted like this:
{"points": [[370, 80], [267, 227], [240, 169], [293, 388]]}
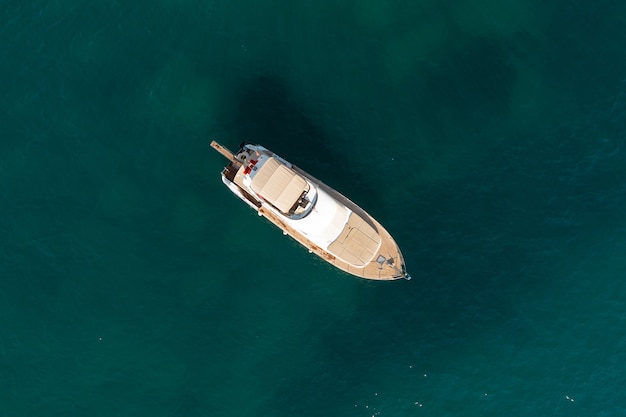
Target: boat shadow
{"points": [[270, 114]]}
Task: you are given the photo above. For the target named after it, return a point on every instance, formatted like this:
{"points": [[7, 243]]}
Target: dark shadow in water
{"points": [[271, 115]]}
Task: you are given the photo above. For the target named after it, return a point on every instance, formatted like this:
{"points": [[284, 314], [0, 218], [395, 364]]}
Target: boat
{"points": [[317, 216]]}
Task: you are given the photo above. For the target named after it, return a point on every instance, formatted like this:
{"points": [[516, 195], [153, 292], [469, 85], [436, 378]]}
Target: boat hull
{"points": [[382, 259]]}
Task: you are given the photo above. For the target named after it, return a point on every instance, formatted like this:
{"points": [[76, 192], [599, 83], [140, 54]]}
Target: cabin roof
{"points": [[278, 184]]}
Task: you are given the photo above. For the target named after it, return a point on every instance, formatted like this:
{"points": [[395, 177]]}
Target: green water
{"points": [[488, 138]]}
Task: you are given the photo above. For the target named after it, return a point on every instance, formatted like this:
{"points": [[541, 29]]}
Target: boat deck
{"points": [[373, 270]]}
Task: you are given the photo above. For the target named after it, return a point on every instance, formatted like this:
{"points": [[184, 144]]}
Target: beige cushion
{"points": [[279, 185], [357, 243]]}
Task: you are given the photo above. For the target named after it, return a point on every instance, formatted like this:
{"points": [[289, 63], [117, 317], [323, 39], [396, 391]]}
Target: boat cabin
{"points": [[276, 183]]}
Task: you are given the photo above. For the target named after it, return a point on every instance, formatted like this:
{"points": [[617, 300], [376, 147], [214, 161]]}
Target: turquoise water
{"points": [[488, 138]]}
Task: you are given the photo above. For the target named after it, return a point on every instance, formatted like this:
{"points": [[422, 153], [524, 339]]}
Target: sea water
{"points": [[488, 138]]}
